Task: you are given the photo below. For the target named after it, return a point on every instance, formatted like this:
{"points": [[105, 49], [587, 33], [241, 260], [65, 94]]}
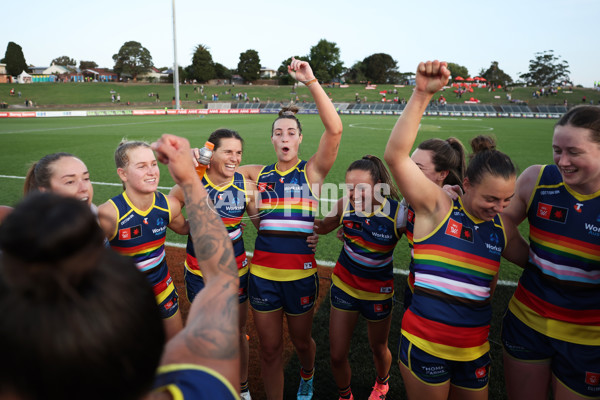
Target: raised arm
{"points": [[210, 337], [424, 196], [321, 162]]}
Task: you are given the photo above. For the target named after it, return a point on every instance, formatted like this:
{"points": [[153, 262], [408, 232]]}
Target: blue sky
{"points": [[472, 33]]}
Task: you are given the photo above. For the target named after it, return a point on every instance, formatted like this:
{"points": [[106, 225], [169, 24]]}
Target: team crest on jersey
{"points": [[266, 186], [357, 226], [411, 216], [130, 233], [459, 231], [552, 213], [592, 378]]}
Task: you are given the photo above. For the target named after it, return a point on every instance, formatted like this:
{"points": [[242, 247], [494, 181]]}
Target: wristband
{"points": [[308, 83]]}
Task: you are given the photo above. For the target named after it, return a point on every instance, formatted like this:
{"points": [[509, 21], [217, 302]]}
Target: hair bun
{"points": [[289, 111], [482, 143]]}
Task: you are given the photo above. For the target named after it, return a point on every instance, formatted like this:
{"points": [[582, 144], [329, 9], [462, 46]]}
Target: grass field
{"points": [[94, 139], [65, 95]]}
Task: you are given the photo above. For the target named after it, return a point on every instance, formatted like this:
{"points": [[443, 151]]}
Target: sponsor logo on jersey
{"points": [[357, 226], [552, 213], [130, 233], [459, 231]]}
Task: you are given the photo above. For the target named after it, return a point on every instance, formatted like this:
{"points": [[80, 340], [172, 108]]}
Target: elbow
{"points": [[389, 157]]}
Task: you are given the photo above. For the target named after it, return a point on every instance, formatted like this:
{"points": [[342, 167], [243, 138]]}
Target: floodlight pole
{"points": [[175, 66]]}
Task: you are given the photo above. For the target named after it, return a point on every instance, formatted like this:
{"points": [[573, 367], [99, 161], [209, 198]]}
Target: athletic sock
{"points": [[345, 393], [307, 375]]}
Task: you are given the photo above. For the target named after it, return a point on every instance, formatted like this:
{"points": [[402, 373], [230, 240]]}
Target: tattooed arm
{"points": [[211, 336]]}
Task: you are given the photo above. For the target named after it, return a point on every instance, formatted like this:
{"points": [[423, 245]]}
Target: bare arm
{"points": [[321, 162], [178, 222], [517, 248], [251, 206], [250, 171], [332, 220], [107, 217], [215, 344], [517, 209], [177, 193], [424, 196]]}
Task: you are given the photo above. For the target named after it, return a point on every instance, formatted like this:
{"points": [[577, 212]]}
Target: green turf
{"points": [[527, 141], [94, 140]]}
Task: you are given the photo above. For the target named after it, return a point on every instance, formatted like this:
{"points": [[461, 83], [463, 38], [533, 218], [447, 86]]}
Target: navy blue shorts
{"points": [[576, 366], [473, 375], [372, 310], [195, 283], [294, 297]]}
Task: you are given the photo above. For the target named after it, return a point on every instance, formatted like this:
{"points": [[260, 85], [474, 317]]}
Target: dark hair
{"points": [[587, 117], [485, 159], [40, 172], [448, 155], [378, 172], [72, 308], [216, 136], [288, 113]]}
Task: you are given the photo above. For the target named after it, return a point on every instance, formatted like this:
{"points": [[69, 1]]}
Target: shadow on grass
{"points": [[361, 361]]}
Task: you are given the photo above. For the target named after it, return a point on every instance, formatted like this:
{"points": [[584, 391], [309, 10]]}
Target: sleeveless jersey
{"points": [[558, 293], [229, 202], [141, 234], [410, 227], [193, 382], [365, 266], [287, 212], [455, 265]]}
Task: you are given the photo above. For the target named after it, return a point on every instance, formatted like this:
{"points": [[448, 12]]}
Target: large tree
{"points": [[249, 65], [14, 59], [380, 68], [495, 76], [356, 73], [87, 65], [64, 61], [458, 70], [547, 69], [222, 72], [203, 66], [325, 61], [132, 59]]}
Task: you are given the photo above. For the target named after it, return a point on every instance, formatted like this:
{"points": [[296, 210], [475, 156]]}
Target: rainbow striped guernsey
{"points": [[229, 201], [287, 212], [365, 266], [454, 266], [559, 293], [141, 234]]}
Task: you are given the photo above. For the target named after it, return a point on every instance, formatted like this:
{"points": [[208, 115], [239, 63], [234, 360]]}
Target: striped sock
{"points": [[244, 386], [307, 375], [383, 381], [345, 393]]}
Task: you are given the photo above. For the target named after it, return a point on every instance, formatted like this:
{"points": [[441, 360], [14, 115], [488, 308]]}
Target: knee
{"points": [[380, 351], [303, 346], [271, 352], [338, 359]]}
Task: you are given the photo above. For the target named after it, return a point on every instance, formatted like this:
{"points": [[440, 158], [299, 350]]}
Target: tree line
{"points": [[133, 59]]}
